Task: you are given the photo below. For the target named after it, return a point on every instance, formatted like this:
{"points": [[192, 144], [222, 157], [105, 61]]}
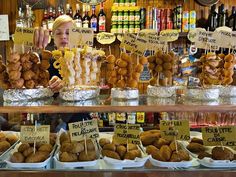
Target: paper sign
{"points": [[154, 41], [80, 36], [120, 37], [80, 130], [24, 36], [170, 35], [206, 40], [31, 134], [128, 42], [4, 28], [214, 136], [105, 38], [225, 35], [124, 134], [142, 46], [175, 128]]}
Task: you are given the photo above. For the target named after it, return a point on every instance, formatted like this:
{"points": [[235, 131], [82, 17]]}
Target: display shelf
{"points": [[105, 104]]}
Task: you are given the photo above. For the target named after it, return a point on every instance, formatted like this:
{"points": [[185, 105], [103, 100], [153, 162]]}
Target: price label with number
{"points": [[222, 135], [80, 36], [127, 133], [84, 129], [105, 38], [24, 36], [170, 35], [175, 129]]}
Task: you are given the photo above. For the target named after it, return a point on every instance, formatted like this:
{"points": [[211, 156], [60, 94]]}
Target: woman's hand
{"points": [[41, 38], [55, 84]]}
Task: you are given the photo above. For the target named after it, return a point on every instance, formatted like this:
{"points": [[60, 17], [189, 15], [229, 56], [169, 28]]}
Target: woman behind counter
{"points": [[60, 32]]}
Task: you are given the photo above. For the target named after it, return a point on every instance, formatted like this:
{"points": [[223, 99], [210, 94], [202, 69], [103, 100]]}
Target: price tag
{"points": [[154, 41], [226, 35], [31, 134], [80, 36], [141, 44], [80, 130], [124, 134], [206, 40], [214, 136], [175, 128], [128, 42], [4, 28], [170, 35], [105, 38], [24, 36]]}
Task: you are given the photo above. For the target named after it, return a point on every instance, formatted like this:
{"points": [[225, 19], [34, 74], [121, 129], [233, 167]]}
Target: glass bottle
{"points": [[101, 19], [221, 16], [45, 19], [94, 20], [50, 19], [20, 19], [86, 18], [232, 19], [212, 18], [69, 10], [78, 17]]}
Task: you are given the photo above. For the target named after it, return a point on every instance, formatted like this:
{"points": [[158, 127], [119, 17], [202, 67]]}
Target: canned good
{"points": [[142, 18], [140, 117], [131, 28], [120, 117], [114, 17], [131, 16], [121, 2], [131, 118], [125, 28], [126, 16], [120, 16]]}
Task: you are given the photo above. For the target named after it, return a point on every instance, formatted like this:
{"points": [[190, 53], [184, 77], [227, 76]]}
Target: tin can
{"points": [[127, 3], [132, 3], [131, 118], [114, 28], [120, 117], [131, 28], [115, 3], [120, 16], [137, 15], [120, 28], [121, 3], [112, 118], [169, 25], [114, 17], [125, 28], [126, 16], [136, 28], [140, 119], [131, 16]]}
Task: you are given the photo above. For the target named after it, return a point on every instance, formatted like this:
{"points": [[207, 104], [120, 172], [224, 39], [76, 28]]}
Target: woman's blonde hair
{"points": [[60, 20]]}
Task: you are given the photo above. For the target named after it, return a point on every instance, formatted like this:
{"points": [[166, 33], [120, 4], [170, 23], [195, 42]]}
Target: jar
{"points": [[115, 3], [121, 3], [127, 3], [125, 28], [131, 16], [136, 28], [119, 28], [126, 16], [131, 28], [114, 28], [114, 17], [133, 3], [137, 15], [120, 16]]}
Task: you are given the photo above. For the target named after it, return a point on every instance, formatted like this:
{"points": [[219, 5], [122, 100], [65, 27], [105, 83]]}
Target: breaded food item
{"points": [[132, 83], [44, 64], [34, 57], [122, 63], [159, 68], [14, 75], [4, 145], [27, 65], [132, 147], [195, 147], [151, 66], [173, 146], [151, 59], [90, 145], [39, 156], [111, 59], [125, 57], [65, 137], [111, 147], [122, 71], [17, 157], [175, 157], [160, 142], [28, 75], [131, 155], [30, 84], [68, 157], [204, 154], [45, 147], [14, 57], [104, 141], [28, 151], [2, 136], [18, 83], [23, 147], [165, 152], [66, 147], [150, 149], [12, 66], [121, 149], [46, 54], [220, 153], [148, 139], [158, 156], [90, 156], [110, 66], [77, 147], [111, 154], [139, 68], [196, 140], [184, 155], [153, 81], [11, 138], [143, 60], [167, 66]]}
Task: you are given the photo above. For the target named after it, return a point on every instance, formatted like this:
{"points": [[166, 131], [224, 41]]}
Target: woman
{"points": [[60, 32]]}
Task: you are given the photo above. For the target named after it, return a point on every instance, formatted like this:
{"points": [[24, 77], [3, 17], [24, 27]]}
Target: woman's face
{"points": [[61, 35]]}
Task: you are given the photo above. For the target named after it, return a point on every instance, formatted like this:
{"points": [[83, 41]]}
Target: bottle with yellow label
{"points": [[121, 117], [140, 118]]}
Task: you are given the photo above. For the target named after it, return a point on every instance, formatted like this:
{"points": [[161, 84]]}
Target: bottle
{"points": [[94, 20], [111, 118], [60, 11], [77, 17], [69, 10], [20, 19], [50, 19], [232, 19], [226, 17], [101, 19], [131, 117], [221, 16], [86, 18], [212, 18], [121, 118], [104, 117], [28, 17], [45, 19]]}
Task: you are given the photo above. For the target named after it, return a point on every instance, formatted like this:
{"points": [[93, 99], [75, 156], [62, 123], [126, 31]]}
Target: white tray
{"points": [[210, 163]]}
